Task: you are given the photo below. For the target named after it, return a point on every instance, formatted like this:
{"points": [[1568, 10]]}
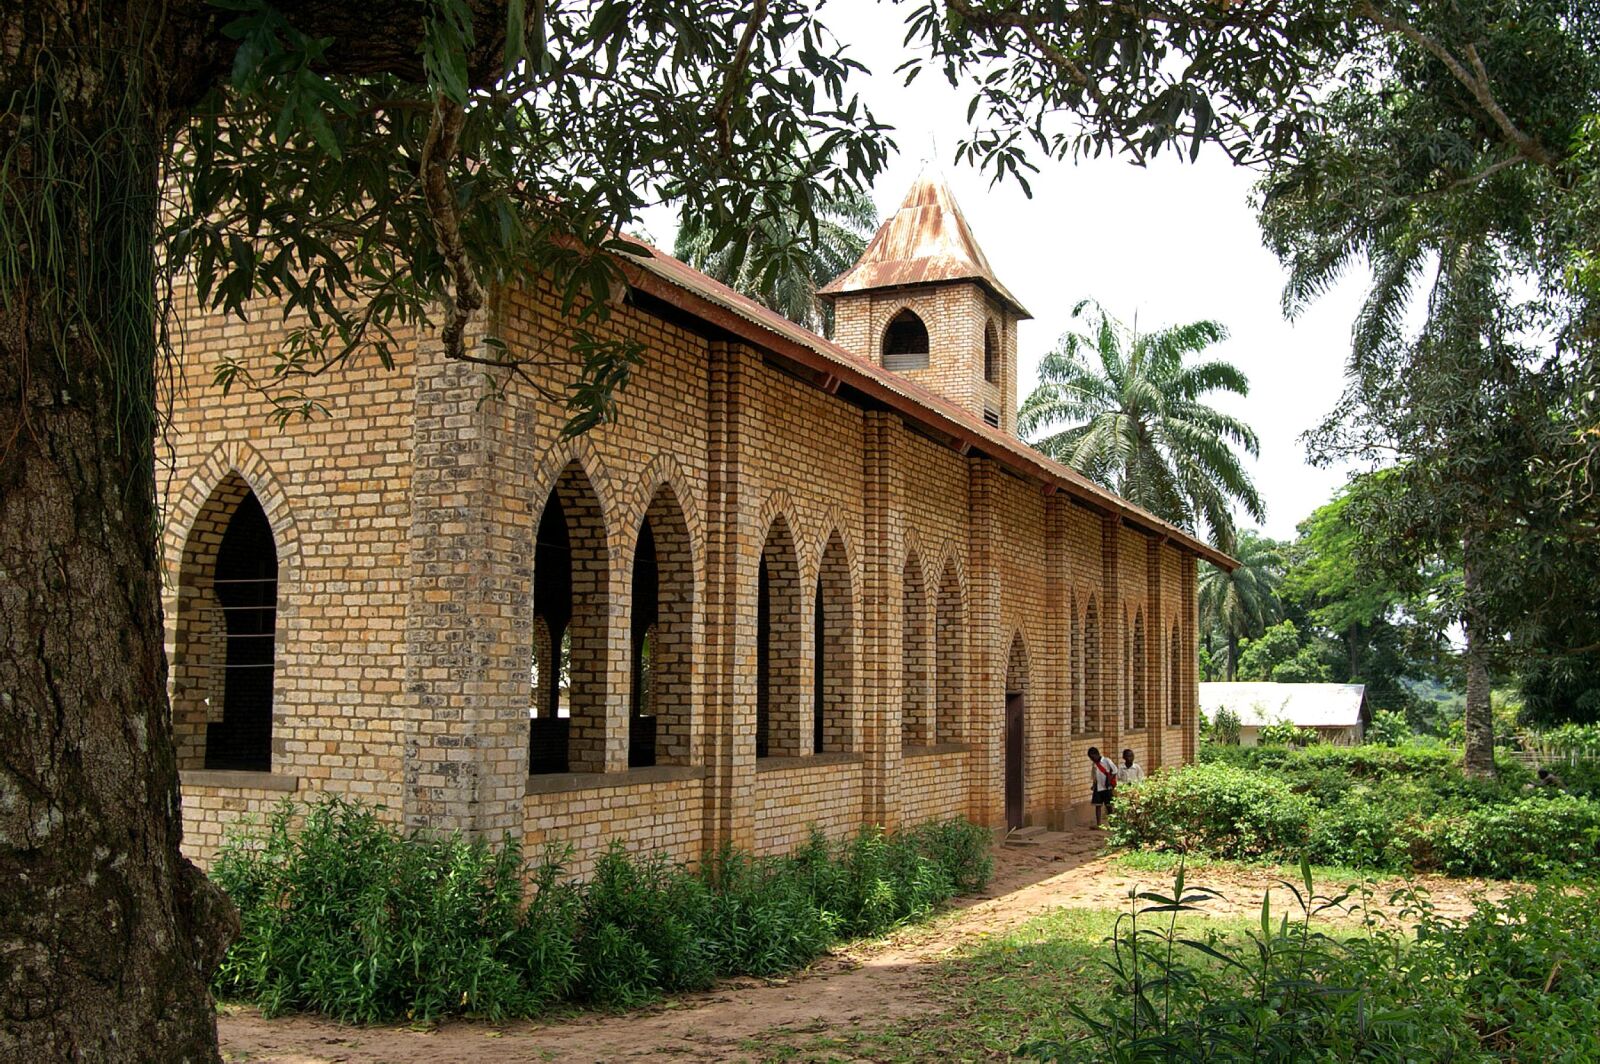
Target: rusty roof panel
{"points": [[927, 240]]}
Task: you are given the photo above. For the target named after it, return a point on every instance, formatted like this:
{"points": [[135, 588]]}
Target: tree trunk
{"points": [[107, 934], [1233, 657], [1479, 759]]}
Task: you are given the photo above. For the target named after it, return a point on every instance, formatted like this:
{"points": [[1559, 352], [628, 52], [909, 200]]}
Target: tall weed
{"points": [[1517, 979], [344, 915]]}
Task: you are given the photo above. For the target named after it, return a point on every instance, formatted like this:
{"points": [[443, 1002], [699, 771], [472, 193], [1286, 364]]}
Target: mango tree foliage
{"points": [[507, 150]]}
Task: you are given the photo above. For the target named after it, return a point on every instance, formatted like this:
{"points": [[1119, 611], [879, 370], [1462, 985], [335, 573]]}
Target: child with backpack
{"points": [[1102, 783]]}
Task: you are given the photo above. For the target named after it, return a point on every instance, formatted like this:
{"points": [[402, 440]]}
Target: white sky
{"points": [[1171, 242]]}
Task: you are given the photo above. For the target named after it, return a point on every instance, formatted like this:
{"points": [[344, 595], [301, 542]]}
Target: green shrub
{"points": [[963, 849], [1408, 808], [641, 931], [347, 916], [765, 920], [1389, 728], [1527, 838], [1225, 729], [1217, 809], [1285, 733]]}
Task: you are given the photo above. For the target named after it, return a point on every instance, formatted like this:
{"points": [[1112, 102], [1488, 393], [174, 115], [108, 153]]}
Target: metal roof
{"points": [[678, 283], [1306, 705], [926, 240]]}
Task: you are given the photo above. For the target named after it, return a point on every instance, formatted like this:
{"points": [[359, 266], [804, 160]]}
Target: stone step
{"points": [[1029, 836]]}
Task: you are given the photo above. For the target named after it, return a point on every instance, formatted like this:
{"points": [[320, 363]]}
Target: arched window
{"points": [[1175, 680], [566, 726], [245, 583], [780, 697], [905, 343], [660, 705], [916, 657], [1137, 671], [991, 354], [1093, 692], [951, 623], [833, 661]]}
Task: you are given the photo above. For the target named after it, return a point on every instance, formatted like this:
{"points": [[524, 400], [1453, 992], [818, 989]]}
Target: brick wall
{"points": [[405, 524]]}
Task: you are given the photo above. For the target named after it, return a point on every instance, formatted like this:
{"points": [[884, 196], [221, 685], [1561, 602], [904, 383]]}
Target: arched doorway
{"points": [[1016, 730]]}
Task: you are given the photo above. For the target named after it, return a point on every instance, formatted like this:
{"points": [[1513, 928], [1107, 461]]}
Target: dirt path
{"points": [[871, 984]]}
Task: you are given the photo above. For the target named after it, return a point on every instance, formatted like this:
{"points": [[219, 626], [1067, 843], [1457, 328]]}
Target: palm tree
{"points": [[1241, 604], [1133, 420], [780, 263]]}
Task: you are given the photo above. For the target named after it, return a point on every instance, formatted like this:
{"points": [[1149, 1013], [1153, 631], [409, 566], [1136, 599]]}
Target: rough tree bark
{"points": [[107, 933]]}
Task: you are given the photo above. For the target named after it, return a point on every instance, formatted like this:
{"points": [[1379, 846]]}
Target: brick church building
{"points": [[796, 581]]}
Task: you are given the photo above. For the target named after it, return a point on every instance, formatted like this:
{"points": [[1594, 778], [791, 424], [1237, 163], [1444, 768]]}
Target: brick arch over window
{"points": [[916, 655], [1175, 679], [950, 651], [781, 702], [833, 659], [905, 342], [238, 552], [1093, 661], [1017, 668], [661, 717], [571, 600]]}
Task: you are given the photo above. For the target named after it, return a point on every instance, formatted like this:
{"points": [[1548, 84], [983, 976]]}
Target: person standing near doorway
{"points": [[1102, 783], [1130, 771]]}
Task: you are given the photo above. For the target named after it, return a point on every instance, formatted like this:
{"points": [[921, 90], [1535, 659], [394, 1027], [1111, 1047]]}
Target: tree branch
{"points": [[464, 297], [1476, 81], [722, 109]]}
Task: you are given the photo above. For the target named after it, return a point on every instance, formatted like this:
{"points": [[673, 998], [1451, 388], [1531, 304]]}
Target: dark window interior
{"points": [[246, 583], [763, 659], [905, 343], [646, 613], [552, 600], [819, 673]]}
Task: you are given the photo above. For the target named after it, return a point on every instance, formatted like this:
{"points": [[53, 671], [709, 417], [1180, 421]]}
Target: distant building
{"points": [[1337, 712]]}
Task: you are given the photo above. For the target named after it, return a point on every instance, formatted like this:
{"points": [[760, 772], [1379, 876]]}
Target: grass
{"points": [[1166, 862], [1005, 991]]}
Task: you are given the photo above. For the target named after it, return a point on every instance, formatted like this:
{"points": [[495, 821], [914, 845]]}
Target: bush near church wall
{"points": [[1401, 809], [346, 916]]}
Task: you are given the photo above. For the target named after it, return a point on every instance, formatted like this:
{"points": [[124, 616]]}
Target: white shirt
{"points": [[1130, 773], [1101, 775]]}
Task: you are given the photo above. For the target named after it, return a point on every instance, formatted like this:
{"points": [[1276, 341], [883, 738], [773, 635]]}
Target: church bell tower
{"points": [[922, 301]]}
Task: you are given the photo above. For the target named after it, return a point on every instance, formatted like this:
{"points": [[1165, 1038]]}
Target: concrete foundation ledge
{"points": [[230, 780], [563, 782], [782, 764], [937, 748]]}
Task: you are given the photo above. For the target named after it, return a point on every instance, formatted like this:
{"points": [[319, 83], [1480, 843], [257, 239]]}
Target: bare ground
{"points": [[869, 984]]}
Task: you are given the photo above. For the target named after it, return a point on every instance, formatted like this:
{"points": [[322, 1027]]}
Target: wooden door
{"points": [[1014, 731]]}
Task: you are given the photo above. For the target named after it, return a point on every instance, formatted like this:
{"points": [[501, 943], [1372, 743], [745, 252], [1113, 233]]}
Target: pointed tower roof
{"points": [[926, 241]]}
